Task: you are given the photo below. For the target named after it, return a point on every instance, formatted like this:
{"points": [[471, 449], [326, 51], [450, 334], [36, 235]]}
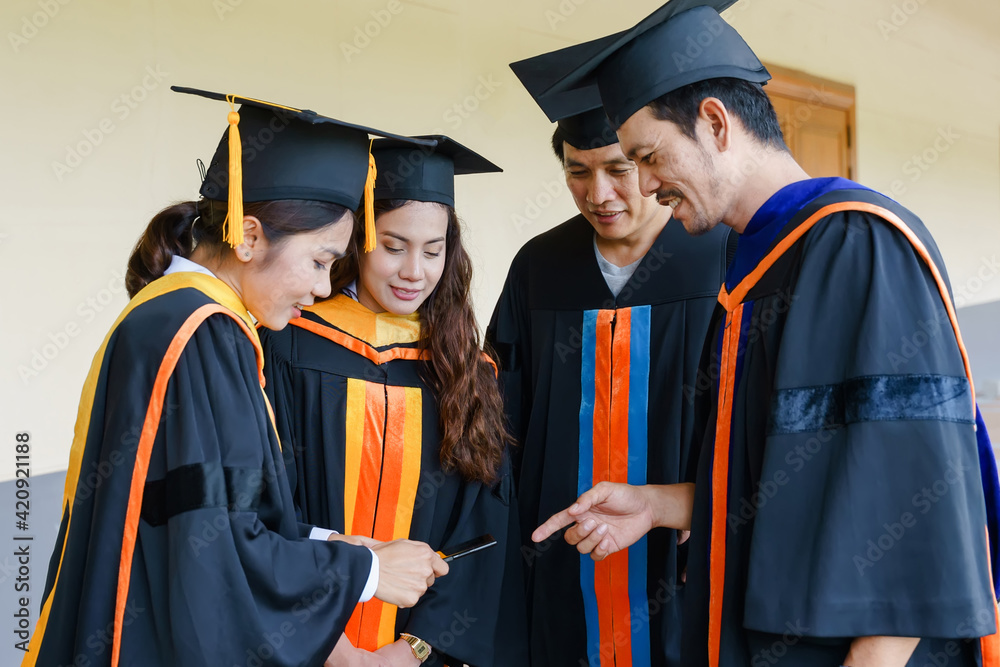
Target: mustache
{"points": [[664, 195]]}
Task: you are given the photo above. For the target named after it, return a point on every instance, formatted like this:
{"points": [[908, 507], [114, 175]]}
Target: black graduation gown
{"points": [[179, 543], [363, 428], [838, 491], [598, 388]]}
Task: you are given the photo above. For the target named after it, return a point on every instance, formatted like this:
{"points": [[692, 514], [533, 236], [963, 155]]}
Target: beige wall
{"points": [[94, 78]]}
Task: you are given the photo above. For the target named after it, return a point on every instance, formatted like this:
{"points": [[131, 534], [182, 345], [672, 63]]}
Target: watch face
{"points": [[421, 649]]}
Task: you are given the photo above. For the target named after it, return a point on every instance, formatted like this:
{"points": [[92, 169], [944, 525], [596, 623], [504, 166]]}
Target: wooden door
{"points": [[817, 119]]}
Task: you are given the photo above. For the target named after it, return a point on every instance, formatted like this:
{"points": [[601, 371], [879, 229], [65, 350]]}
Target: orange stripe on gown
{"points": [[388, 476], [618, 469], [602, 454], [368, 484], [720, 482]]}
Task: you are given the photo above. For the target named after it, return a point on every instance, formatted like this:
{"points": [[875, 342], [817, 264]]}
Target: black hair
{"points": [[745, 100], [177, 229], [557, 145]]}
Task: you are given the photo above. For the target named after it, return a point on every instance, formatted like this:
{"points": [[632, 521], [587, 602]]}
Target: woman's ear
{"points": [[254, 241]]}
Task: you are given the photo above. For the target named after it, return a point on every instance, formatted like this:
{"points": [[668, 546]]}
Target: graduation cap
{"points": [[578, 113], [424, 173], [682, 42], [271, 151], [587, 130]]}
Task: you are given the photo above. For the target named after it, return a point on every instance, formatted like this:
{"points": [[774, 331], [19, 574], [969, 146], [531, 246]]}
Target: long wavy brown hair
{"points": [[473, 428]]}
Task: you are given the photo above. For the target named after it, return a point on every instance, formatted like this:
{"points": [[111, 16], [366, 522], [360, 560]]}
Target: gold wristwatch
{"points": [[421, 649]]}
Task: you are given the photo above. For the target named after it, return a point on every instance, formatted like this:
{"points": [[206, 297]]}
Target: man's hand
{"points": [[346, 655], [611, 517], [406, 569]]}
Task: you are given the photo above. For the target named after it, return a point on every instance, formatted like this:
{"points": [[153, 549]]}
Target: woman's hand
{"points": [[399, 654]]}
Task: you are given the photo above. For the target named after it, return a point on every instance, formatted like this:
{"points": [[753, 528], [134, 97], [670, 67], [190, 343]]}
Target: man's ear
{"points": [[714, 115]]}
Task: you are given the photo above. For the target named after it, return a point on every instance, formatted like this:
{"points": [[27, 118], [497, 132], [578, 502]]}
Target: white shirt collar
{"points": [[351, 290], [179, 264]]}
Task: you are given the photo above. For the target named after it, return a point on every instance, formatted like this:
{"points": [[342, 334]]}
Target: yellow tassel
{"points": [[233, 225], [370, 203]]}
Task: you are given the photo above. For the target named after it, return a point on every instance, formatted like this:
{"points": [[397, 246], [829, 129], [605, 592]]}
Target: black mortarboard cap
{"points": [[577, 111], [587, 130], [682, 42], [281, 152], [421, 173]]}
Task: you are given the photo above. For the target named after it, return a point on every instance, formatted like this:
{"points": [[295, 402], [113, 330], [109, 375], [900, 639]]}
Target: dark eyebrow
{"points": [[635, 151], [403, 239], [616, 160]]}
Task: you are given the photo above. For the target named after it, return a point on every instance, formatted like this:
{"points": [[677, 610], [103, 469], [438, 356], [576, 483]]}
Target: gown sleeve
{"points": [[870, 514]]}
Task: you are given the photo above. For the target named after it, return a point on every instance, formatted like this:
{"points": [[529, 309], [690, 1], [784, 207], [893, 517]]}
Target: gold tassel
{"points": [[233, 225], [370, 203]]}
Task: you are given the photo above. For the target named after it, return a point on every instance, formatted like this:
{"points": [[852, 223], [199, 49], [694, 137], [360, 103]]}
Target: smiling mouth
{"points": [[670, 198], [405, 294], [607, 216]]}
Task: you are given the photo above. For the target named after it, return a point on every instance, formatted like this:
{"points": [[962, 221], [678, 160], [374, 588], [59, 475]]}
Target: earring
{"points": [[246, 254]]}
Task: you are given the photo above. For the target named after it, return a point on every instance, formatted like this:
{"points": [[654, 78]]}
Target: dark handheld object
{"points": [[472, 546]]}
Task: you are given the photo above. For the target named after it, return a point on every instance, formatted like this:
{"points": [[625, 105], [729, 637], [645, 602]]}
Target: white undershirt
{"points": [[180, 264], [615, 276]]}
